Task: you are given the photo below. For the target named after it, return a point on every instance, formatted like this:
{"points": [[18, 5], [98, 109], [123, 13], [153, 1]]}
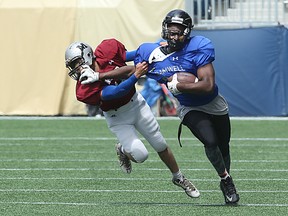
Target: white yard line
{"points": [[148, 161], [131, 179], [138, 203], [127, 191], [139, 169], [112, 138], [264, 118]]}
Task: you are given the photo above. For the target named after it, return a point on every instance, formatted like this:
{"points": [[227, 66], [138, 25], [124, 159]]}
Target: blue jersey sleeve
{"points": [[139, 56], [113, 92], [143, 52], [130, 55], [205, 52]]}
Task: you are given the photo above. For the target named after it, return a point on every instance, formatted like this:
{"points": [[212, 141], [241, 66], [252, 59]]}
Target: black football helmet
{"points": [[177, 17]]}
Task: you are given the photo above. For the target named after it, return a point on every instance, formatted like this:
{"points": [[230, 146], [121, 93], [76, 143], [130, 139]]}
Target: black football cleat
{"points": [[229, 191]]}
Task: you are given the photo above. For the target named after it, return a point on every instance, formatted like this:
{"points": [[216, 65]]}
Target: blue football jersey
{"points": [[197, 52]]}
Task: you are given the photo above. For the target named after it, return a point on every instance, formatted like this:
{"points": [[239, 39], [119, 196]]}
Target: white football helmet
{"points": [[77, 55]]}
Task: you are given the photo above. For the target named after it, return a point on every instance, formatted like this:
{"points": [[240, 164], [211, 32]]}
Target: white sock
{"points": [[122, 149], [225, 176], [178, 175]]}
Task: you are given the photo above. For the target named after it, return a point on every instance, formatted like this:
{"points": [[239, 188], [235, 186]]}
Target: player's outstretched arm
{"points": [[89, 76], [119, 73], [112, 92]]}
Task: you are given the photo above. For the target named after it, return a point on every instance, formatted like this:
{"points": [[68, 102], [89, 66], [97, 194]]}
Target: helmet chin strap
{"points": [[175, 45]]}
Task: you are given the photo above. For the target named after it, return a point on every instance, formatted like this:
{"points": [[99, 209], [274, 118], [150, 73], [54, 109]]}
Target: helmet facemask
{"points": [[181, 18], [175, 38], [75, 67]]}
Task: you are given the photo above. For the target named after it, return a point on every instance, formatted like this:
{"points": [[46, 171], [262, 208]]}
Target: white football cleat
{"points": [[124, 161], [187, 185]]}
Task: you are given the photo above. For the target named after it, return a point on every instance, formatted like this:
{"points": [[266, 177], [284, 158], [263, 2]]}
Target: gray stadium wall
{"points": [[252, 69]]}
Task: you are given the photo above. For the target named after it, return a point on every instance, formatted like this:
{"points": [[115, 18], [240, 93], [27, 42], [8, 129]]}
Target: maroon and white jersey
{"points": [[109, 54]]}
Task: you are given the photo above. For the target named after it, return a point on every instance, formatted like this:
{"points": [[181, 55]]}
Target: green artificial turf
{"points": [[69, 167]]}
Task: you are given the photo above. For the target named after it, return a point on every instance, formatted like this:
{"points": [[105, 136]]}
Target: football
{"points": [[183, 77]]}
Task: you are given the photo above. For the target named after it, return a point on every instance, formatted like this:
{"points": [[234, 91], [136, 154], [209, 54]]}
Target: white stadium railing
{"points": [[237, 13]]}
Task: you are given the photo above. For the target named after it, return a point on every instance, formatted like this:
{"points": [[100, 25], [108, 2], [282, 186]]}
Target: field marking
{"points": [[279, 152], [148, 161], [263, 118], [127, 191], [110, 138], [270, 145], [139, 169], [132, 179], [145, 203]]}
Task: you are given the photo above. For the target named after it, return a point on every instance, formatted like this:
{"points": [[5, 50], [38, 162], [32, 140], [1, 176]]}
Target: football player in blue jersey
{"points": [[125, 110], [202, 109]]}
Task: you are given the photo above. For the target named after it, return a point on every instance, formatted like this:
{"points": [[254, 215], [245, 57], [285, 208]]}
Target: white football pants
{"points": [[135, 116]]}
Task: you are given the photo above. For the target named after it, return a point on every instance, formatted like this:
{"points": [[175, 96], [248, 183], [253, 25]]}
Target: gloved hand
{"points": [[172, 85], [88, 75]]}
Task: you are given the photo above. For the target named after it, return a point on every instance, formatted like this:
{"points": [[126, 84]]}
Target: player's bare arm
{"points": [[88, 75], [203, 85], [119, 73]]}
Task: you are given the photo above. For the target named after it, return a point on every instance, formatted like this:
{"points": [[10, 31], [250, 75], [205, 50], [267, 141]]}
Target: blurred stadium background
{"points": [[68, 166], [250, 38]]}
